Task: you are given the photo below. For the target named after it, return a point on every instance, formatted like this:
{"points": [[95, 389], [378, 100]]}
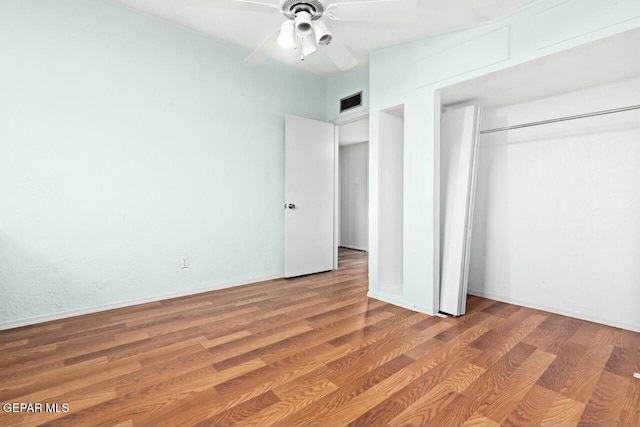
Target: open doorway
{"points": [[353, 189]]}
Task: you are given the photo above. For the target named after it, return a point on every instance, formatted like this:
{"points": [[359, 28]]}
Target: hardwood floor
{"points": [[316, 351]]}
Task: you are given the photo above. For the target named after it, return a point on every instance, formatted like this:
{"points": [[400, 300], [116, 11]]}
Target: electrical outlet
{"points": [[184, 262]]}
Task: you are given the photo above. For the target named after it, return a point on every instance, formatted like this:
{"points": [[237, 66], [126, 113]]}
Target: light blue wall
{"points": [[127, 142], [344, 85], [411, 74]]}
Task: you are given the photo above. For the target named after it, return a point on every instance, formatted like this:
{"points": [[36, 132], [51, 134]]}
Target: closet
{"points": [[556, 218]]}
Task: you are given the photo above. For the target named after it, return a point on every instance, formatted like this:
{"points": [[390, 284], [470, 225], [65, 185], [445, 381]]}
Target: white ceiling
{"points": [[249, 28]]}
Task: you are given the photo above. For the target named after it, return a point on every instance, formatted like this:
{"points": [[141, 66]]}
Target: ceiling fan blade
{"points": [[374, 10], [258, 56], [245, 5], [340, 56]]}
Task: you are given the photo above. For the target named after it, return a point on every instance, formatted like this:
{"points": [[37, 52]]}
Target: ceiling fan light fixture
{"points": [[287, 36], [309, 45], [302, 21], [323, 36]]}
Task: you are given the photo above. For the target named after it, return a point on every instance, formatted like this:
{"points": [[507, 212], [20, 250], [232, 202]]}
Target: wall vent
{"points": [[351, 101]]}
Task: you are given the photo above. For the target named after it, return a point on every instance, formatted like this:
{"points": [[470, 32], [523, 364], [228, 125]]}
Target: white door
{"points": [[309, 196], [458, 164]]}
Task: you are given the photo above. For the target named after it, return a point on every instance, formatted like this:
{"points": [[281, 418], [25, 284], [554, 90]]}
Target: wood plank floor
{"points": [[316, 351]]}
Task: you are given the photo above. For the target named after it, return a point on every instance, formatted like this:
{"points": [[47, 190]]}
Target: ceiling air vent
{"points": [[351, 101]]}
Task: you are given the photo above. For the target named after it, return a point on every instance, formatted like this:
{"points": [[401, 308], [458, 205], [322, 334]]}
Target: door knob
{"points": [[292, 206]]}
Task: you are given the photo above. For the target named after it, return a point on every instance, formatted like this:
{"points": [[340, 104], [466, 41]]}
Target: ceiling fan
{"points": [[304, 28]]}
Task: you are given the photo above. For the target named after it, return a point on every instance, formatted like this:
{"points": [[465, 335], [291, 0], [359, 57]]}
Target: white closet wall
{"points": [[557, 212], [391, 201]]}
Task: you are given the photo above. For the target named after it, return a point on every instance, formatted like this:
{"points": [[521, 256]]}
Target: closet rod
{"points": [[563, 119]]}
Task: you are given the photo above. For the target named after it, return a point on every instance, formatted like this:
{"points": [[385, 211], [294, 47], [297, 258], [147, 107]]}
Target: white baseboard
{"points": [[578, 315], [426, 310], [121, 304], [400, 301], [390, 298]]}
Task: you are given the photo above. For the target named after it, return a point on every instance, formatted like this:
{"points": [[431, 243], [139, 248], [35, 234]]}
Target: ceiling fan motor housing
{"points": [[314, 8]]}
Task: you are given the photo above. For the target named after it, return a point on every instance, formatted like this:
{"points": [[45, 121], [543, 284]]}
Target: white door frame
{"points": [[336, 193]]}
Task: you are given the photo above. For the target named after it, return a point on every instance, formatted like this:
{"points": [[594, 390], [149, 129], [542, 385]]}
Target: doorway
{"points": [[353, 188]]}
